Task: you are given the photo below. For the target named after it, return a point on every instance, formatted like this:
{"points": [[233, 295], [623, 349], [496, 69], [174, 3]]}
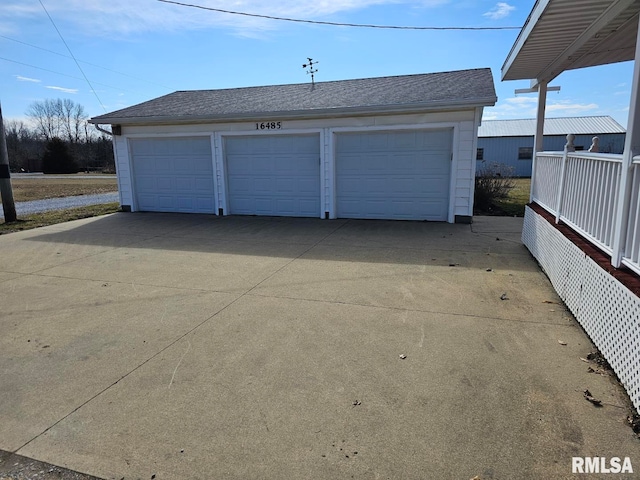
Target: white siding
{"points": [[463, 201]]}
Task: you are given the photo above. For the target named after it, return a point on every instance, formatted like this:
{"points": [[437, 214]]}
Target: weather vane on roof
{"points": [[311, 70]]}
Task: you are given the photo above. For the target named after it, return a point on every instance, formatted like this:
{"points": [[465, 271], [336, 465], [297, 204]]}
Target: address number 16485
{"points": [[268, 125]]}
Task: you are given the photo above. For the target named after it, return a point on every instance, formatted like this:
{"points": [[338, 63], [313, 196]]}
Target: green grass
{"points": [[44, 219], [518, 197]]}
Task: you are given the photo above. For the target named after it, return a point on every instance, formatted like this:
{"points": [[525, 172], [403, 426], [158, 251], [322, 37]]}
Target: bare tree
{"points": [[73, 117], [64, 119], [45, 115], [58, 118], [23, 145]]}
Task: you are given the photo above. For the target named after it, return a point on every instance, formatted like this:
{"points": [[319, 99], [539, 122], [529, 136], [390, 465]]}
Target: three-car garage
{"points": [[398, 174], [400, 148]]}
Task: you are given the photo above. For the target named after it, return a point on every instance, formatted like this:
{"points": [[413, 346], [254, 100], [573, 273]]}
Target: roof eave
{"points": [[296, 114], [528, 27]]}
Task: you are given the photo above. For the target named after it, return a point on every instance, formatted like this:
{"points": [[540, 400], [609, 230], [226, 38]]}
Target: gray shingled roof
{"points": [[526, 127], [367, 95]]}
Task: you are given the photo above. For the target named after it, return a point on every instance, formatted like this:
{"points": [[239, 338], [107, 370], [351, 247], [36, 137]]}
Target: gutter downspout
{"points": [[100, 129]]}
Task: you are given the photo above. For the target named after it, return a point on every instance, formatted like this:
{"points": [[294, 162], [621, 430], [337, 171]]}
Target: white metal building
{"points": [[398, 147], [510, 142]]}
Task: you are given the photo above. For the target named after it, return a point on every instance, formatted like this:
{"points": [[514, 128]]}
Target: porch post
{"points": [[631, 148], [538, 139]]}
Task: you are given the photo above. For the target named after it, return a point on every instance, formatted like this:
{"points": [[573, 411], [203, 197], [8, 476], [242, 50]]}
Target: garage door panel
{"points": [[203, 185], [274, 175], [308, 185], [165, 202], [262, 186], [185, 203], [387, 175], [173, 174], [185, 184], [286, 185], [163, 183]]}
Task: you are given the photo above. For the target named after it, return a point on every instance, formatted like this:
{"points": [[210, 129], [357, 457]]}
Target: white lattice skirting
{"points": [[607, 310]]}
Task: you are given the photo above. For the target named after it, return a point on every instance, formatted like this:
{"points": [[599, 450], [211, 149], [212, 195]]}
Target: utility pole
{"points": [[6, 192]]}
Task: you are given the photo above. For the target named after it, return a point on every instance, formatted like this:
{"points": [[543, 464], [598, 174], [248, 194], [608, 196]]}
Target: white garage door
{"points": [[394, 175], [173, 174], [274, 175]]}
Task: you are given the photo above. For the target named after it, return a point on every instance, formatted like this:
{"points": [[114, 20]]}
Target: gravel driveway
{"points": [[37, 206]]}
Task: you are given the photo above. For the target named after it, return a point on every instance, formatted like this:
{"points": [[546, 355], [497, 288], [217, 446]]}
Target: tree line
{"points": [[57, 139]]}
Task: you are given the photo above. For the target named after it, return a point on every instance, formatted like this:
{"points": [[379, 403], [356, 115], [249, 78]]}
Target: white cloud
{"points": [[20, 78], [526, 107], [521, 100], [62, 89], [131, 17], [571, 108], [500, 11]]}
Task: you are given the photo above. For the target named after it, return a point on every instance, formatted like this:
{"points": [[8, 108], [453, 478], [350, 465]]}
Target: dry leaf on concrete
{"points": [[588, 397]]}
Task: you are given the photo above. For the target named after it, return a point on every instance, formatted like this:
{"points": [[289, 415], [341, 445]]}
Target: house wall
{"points": [[463, 123], [504, 150]]}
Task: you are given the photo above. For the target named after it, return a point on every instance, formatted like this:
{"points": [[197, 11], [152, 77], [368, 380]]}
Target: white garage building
{"points": [[399, 147]]}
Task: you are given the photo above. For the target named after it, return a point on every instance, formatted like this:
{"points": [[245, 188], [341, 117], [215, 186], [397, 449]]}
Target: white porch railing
{"points": [[631, 257], [582, 189]]}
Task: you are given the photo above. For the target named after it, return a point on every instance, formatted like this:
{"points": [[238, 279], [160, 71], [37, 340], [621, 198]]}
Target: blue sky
{"points": [[135, 50]]}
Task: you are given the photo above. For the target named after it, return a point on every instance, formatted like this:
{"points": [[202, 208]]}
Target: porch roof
{"points": [[563, 35]]}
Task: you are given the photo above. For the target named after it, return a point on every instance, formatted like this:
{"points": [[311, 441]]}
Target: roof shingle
{"points": [[431, 90]]}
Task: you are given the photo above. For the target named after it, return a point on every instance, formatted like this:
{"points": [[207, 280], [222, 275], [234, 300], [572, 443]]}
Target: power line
{"points": [[335, 24], [74, 58], [85, 62]]}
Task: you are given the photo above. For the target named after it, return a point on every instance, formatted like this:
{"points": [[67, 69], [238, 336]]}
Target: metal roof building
{"points": [[510, 142]]}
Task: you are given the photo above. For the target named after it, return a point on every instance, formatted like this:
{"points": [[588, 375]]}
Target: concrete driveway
{"points": [[166, 346]]}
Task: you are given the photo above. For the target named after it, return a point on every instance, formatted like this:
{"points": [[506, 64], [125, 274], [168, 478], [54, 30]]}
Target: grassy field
{"points": [[43, 219], [518, 198], [43, 187], [39, 188]]}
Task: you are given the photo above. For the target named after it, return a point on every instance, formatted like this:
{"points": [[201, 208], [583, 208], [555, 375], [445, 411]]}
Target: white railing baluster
{"points": [[569, 147], [600, 198], [631, 256], [581, 189]]}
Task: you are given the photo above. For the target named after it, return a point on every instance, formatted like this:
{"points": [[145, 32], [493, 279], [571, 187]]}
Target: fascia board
{"points": [[297, 114], [532, 20]]}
